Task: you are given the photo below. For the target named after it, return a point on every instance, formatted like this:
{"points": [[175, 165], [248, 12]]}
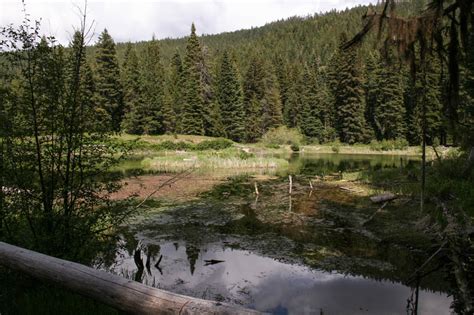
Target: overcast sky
{"points": [[134, 20]]}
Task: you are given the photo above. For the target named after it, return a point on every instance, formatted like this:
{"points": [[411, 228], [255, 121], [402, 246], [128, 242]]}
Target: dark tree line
{"points": [[354, 95]]}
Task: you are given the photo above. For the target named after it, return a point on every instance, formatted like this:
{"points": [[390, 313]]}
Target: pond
{"points": [[311, 252]]}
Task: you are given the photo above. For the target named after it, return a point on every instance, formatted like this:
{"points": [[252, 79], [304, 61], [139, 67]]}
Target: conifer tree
{"points": [[425, 93], [192, 114], [388, 104], [211, 118], [254, 91], [272, 115], [229, 97], [108, 86], [133, 121], [175, 90], [153, 81], [347, 88], [291, 106], [312, 105]]}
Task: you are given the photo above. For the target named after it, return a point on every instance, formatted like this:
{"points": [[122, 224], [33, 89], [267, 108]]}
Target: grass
{"points": [[149, 144], [230, 159]]}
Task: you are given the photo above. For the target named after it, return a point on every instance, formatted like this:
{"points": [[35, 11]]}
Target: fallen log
{"points": [[383, 198], [116, 291]]}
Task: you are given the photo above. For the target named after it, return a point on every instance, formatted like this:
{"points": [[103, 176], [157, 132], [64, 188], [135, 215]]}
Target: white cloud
{"points": [[136, 20]]}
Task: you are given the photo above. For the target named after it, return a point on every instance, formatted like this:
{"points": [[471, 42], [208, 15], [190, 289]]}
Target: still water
{"points": [[313, 257]]}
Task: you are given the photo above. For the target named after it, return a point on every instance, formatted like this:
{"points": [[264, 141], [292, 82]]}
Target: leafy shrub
{"points": [[336, 146], [282, 136], [272, 146], [245, 155], [387, 145], [295, 147], [170, 145], [215, 144]]}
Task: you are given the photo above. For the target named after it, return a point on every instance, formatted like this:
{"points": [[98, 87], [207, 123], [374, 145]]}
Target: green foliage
{"points": [[157, 116], [229, 96], [384, 97], [346, 86], [109, 88], [54, 197], [295, 147], [215, 144], [388, 145], [282, 136], [133, 121], [336, 146], [193, 107]]}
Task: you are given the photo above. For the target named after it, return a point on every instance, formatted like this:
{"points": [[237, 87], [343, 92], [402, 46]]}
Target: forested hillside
{"points": [[241, 84]]}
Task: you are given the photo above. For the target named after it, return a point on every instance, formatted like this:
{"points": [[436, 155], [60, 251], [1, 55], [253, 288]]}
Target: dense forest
{"points": [[241, 84]]}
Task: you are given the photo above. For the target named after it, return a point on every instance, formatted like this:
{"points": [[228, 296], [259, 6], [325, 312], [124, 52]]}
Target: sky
{"points": [[135, 20]]}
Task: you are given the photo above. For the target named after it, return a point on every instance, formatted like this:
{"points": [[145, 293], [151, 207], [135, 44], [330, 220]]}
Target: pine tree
{"points": [[254, 91], [425, 92], [212, 124], [386, 93], [133, 121], [285, 83], [311, 112], [272, 115], [347, 88], [192, 115], [229, 97], [108, 86], [153, 81], [291, 106], [175, 91]]}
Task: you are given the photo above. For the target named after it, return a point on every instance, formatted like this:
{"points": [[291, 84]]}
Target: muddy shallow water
{"points": [[308, 253]]}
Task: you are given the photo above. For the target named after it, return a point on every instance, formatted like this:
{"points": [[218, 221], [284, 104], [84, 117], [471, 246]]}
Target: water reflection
{"points": [[196, 248], [268, 285]]}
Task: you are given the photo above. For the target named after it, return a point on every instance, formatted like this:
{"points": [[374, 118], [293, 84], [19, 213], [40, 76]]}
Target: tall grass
{"points": [[211, 162]]}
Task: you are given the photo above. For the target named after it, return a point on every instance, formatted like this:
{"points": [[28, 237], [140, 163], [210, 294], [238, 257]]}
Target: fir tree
{"points": [[291, 106], [133, 121], [108, 86], [153, 81], [175, 90], [387, 94], [254, 91], [311, 112], [192, 114], [347, 87], [229, 96]]}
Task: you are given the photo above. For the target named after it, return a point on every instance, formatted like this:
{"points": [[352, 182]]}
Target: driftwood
{"points": [[118, 292], [290, 178], [383, 198]]}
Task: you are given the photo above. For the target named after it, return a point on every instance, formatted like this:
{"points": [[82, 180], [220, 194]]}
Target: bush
{"points": [[216, 144], [282, 136], [245, 155], [295, 147], [336, 146], [172, 146], [387, 145], [272, 146]]}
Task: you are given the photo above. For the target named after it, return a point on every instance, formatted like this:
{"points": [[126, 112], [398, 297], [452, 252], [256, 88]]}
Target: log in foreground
{"points": [[383, 198], [118, 292]]}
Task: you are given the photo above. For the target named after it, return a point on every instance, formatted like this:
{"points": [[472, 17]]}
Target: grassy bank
{"points": [[147, 145], [227, 159]]}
